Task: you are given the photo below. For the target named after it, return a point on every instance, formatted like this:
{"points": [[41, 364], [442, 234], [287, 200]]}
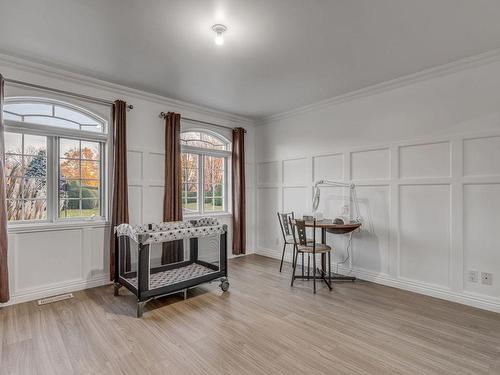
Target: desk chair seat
{"points": [[318, 248]]}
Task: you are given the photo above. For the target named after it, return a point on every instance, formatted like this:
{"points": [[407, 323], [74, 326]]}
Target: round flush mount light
{"points": [[219, 31]]}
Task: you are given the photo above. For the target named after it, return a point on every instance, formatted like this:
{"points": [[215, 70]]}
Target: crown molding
{"points": [[435, 72], [49, 70]]}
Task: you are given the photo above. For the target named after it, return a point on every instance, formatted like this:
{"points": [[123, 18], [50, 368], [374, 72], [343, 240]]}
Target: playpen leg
{"points": [[117, 287], [185, 293], [140, 308]]}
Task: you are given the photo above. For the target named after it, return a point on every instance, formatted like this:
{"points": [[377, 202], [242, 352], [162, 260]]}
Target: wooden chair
{"points": [[303, 246], [284, 219]]}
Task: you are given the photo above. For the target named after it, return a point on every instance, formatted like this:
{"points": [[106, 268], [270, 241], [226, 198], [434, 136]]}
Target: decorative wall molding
{"points": [[425, 75], [53, 71], [421, 248]]}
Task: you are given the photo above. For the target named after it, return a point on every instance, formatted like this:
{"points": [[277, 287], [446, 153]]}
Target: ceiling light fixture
{"points": [[219, 31]]}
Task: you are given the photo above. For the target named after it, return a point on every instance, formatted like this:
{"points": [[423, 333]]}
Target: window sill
{"points": [[48, 227], [199, 216]]}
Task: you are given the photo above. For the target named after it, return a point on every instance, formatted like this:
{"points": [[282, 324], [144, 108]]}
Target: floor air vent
{"points": [[61, 297]]}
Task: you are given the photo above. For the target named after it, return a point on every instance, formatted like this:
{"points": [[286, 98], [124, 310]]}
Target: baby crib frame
{"points": [[147, 282]]}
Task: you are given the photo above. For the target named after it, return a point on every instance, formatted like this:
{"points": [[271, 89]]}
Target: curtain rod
{"points": [[164, 115], [62, 92]]}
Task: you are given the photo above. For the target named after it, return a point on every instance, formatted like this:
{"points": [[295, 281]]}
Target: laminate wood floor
{"points": [[262, 326]]}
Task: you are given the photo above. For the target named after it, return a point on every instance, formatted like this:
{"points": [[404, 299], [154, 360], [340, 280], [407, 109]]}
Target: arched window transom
{"points": [[52, 113]]}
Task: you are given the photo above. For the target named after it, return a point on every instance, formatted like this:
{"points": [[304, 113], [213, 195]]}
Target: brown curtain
{"points": [[4, 273], [172, 201], [119, 214], [238, 169]]}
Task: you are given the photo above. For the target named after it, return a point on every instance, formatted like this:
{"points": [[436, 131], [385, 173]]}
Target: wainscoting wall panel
{"points": [[424, 233], [329, 167], [482, 156], [370, 164], [426, 160], [431, 212], [481, 233], [295, 172]]}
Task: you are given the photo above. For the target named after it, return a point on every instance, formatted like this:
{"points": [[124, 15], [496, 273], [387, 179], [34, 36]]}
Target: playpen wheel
{"points": [[224, 285]]}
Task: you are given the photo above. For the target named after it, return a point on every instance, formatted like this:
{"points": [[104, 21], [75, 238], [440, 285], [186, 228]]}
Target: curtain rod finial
{"points": [[163, 115]]}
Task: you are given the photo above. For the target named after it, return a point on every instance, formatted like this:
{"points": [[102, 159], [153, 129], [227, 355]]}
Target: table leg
{"points": [[323, 271]]}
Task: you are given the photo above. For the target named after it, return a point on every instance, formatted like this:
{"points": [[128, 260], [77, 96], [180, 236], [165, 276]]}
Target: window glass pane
{"points": [[69, 148], [35, 166], [13, 165], [13, 143], [75, 116], [14, 210], [90, 150], [203, 140], [213, 170], [35, 209], [34, 188], [70, 189], [14, 187], [69, 169], [191, 205], [53, 115], [52, 121], [29, 108], [69, 208], [91, 169], [26, 176], [189, 168], [91, 184], [11, 116], [90, 208], [35, 145]]}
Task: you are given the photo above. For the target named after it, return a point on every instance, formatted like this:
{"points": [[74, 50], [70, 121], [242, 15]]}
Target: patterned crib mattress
{"points": [[174, 276], [171, 231]]}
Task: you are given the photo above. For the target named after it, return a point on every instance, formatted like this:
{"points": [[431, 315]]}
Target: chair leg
{"points": [[308, 265], [302, 265], [314, 272], [295, 257], [330, 267], [283, 256]]}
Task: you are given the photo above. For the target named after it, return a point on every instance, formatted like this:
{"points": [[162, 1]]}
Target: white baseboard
{"points": [[465, 298], [55, 289], [71, 286]]}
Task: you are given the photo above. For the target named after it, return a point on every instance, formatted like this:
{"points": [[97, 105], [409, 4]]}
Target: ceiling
{"points": [[278, 54]]}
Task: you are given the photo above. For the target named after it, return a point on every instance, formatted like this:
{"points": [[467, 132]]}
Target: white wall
{"points": [[425, 156], [51, 260]]}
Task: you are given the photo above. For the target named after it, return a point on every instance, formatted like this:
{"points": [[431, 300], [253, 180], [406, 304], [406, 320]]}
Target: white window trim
{"points": [[53, 220], [200, 151]]}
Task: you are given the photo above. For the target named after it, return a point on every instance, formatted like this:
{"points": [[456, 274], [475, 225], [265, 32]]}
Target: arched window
{"points": [[53, 161], [52, 113], [205, 156]]}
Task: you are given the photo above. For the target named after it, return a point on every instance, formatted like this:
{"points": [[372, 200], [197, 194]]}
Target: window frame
{"points": [[54, 134], [202, 152]]}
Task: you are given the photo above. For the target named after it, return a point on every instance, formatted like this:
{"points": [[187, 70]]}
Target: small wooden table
{"points": [[327, 225]]}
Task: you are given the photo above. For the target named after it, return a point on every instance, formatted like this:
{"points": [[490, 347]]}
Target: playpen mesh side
{"points": [[174, 276]]}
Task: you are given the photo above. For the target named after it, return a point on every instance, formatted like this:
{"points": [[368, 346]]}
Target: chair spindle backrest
{"points": [[284, 219], [300, 228]]}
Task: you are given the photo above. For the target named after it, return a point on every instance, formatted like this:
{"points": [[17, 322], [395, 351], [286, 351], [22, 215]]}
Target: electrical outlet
{"points": [[473, 277], [486, 278]]}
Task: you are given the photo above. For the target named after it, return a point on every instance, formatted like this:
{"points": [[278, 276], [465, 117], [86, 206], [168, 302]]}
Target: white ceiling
{"points": [[278, 55]]}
